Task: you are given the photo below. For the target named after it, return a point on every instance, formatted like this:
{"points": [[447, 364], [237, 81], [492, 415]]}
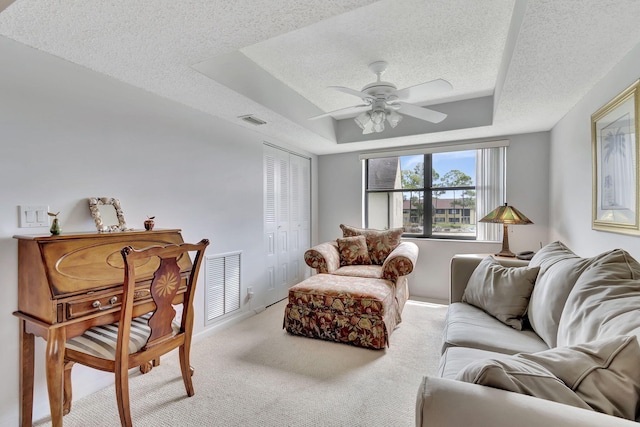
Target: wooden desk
{"points": [[68, 284]]}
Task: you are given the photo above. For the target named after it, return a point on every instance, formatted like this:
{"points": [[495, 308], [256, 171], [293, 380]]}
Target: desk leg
{"points": [[26, 375], [55, 372]]}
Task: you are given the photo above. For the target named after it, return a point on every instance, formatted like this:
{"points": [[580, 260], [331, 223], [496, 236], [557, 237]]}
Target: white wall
{"points": [[571, 185], [67, 133], [340, 201]]}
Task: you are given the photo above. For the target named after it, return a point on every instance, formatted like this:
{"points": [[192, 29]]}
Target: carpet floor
{"points": [[254, 373]]}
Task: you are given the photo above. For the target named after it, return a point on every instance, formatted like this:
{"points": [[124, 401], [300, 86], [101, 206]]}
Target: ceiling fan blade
{"points": [[420, 112], [348, 110], [423, 91], [353, 92]]}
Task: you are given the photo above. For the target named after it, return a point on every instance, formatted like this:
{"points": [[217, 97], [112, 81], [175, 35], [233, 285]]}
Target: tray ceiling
{"points": [[516, 66]]}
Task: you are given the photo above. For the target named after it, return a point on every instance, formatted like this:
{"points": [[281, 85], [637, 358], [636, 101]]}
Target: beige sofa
{"points": [[574, 362]]}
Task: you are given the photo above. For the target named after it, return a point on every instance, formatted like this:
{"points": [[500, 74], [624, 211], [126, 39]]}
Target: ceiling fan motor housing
{"points": [[380, 90]]}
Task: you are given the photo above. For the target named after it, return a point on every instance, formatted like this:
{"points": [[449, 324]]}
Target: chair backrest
{"points": [[165, 285]]}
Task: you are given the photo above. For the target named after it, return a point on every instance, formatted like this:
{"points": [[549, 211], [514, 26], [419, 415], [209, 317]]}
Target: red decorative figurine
{"points": [[149, 223]]}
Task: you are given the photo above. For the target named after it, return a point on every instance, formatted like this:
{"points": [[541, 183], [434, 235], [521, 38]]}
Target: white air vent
{"points": [[253, 120], [222, 278]]}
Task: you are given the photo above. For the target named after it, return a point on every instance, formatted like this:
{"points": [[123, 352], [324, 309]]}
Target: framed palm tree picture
{"points": [[615, 164]]}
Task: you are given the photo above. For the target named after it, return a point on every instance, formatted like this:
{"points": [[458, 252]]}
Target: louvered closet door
{"points": [[300, 203], [287, 211]]}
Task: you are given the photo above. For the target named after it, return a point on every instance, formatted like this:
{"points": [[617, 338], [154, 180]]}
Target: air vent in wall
{"points": [[222, 292], [253, 120]]}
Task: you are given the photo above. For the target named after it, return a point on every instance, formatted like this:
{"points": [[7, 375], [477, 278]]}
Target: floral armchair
{"points": [[360, 290], [387, 257]]}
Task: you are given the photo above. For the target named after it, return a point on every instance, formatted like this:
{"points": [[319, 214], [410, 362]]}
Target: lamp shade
{"points": [[506, 215]]}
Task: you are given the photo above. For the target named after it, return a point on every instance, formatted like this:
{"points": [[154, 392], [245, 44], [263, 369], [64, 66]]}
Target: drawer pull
{"points": [[98, 305]]}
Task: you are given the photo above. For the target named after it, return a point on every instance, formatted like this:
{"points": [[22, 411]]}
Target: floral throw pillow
{"points": [[353, 251], [380, 243]]}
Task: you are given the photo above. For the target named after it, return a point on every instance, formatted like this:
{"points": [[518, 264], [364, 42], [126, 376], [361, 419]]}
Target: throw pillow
{"points": [[380, 243], [353, 251], [601, 374], [501, 291]]}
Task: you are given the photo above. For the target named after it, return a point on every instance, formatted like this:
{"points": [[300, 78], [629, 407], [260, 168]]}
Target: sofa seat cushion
{"points": [[370, 271], [455, 359], [604, 302], [560, 268], [469, 326], [345, 294]]}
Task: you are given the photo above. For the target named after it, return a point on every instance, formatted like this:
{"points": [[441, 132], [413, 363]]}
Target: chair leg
{"points": [[145, 368], [187, 370], [122, 394], [67, 391]]}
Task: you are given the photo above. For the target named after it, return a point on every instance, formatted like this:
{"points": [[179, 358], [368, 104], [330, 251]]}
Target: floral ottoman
{"points": [[355, 310]]}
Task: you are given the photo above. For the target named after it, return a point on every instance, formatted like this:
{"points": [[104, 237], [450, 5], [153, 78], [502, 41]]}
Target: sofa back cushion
{"points": [[559, 270], [605, 301], [380, 243]]}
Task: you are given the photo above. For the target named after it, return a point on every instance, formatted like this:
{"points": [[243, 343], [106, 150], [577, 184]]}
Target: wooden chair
{"points": [[137, 341]]}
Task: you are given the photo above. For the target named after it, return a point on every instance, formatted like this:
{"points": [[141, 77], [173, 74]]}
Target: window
{"points": [[439, 195]]}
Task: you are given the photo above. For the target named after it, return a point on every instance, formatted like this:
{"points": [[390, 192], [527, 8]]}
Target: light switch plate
{"points": [[33, 216]]}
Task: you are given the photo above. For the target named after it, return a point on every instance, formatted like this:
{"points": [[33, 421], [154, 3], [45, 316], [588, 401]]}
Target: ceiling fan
{"points": [[384, 101]]}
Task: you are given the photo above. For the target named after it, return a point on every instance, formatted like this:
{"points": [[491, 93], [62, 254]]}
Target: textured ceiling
{"points": [[537, 58], [420, 44]]}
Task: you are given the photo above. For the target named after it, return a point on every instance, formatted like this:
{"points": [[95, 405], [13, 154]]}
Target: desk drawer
{"points": [[99, 303]]}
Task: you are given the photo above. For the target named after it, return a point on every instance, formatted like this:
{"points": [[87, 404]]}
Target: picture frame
{"points": [[614, 133], [107, 214]]}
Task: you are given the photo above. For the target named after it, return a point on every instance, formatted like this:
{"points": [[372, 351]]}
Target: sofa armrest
{"points": [[400, 262], [446, 402], [324, 257], [462, 267]]}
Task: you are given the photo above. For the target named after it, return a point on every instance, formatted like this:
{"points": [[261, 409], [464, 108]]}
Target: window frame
{"points": [[427, 189]]}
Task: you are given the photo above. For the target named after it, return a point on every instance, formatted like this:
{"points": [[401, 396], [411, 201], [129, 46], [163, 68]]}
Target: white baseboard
{"points": [[224, 323], [431, 300]]}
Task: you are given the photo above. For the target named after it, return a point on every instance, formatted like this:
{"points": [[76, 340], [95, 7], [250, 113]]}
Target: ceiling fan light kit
{"points": [[373, 121], [388, 103]]}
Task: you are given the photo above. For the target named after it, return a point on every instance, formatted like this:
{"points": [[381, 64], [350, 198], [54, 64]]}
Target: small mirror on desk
{"points": [[107, 214]]}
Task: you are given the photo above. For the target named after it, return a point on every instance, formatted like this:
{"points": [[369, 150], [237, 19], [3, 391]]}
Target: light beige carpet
{"points": [[255, 374]]}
